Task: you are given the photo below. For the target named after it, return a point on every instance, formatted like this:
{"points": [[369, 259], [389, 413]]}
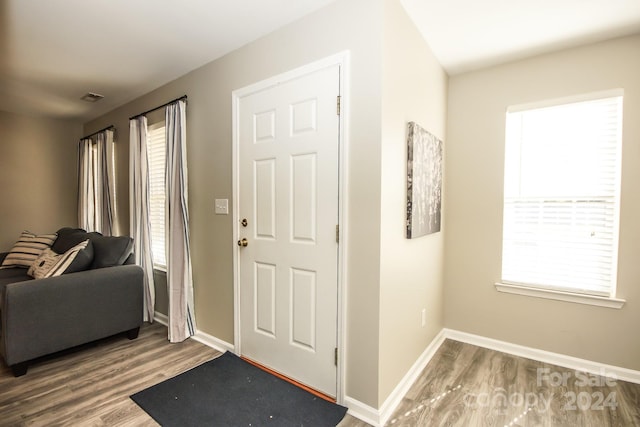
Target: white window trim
{"points": [[562, 295], [610, 93], [516, 289], [160, 268]]}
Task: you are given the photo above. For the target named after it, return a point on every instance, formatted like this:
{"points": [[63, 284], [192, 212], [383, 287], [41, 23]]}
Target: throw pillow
{"points": [[51, 264], [69, 237], [110, 251], [27, 249], [83, 259]]}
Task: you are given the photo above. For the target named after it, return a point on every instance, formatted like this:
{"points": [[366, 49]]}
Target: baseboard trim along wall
{"points": [[160, 318], [393, 400], [202, 337], [213, 342], [362, 411], [563, 360], [379, 417]]}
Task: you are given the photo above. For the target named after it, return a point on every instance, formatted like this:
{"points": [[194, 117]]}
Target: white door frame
{"points": [[341, 59]]}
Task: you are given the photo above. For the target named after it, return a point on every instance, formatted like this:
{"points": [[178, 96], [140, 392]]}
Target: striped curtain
{"points": [[140, 227], [96, 195], [86, 185], [179, 275]]}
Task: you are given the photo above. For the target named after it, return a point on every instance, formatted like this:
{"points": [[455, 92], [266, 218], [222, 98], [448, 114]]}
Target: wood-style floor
{"points": [[463, 385], [91, 385]]}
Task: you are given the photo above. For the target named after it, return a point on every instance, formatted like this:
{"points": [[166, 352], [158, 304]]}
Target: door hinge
{"points": [[335, 359], [338, 233], [338, 105]]}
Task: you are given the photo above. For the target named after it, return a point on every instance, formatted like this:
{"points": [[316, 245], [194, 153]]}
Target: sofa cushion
{"points": [[51, 264], [83, 259], [69, 237], [8, 274], [28, 247], [108, 251]]}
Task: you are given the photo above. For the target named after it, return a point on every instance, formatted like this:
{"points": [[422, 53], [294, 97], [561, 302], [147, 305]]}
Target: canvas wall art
{"points": [[424, 182]]}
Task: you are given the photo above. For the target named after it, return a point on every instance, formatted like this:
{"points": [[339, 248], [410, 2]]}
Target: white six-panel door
{"points": [[288, 145]]}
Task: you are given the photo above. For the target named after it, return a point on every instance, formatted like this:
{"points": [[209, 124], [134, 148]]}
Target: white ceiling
{"points": [[470, 34], [54, 51]]}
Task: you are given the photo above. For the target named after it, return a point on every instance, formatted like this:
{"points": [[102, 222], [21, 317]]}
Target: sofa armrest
{"points": [[48, 315]]}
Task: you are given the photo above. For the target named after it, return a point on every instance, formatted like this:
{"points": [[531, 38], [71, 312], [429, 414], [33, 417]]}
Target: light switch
{"points": [[222, 206]]}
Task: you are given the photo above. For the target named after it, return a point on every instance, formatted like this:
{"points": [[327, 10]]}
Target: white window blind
{"points": [[561, 196], [156, 151]]}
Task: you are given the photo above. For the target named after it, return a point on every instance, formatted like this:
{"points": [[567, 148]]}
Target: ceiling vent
{"points": [[92, 97]]}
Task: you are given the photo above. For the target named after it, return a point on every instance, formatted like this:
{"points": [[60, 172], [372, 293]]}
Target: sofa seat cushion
{"points": [[108, 251], [13, 273]]}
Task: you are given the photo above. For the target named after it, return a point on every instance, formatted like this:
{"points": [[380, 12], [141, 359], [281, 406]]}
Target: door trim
{"points": [[341, 59]]}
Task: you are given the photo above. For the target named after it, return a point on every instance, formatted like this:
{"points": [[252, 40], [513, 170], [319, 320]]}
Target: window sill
{"points": [[159, 269], [560, 296]]}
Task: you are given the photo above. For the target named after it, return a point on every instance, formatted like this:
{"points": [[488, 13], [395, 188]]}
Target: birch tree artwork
{"points": [[424, 182]]}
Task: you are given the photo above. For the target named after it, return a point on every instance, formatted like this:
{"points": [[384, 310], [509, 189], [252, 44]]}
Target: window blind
{"points": [[561, 196], [156, 151]]}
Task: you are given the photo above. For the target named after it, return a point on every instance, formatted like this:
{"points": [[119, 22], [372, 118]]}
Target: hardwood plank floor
{"points": [[463, 385], [91, 385]]}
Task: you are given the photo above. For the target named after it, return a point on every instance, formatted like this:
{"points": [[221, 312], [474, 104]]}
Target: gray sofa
{"points": [[43, 316]]}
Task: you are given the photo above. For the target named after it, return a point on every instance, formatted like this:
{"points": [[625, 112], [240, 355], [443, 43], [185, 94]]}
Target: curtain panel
{"points": [[139, 209], [179, 273], [86, 185], [96, 183]]}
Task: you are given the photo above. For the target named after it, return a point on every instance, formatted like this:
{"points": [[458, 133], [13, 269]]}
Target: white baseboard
{"points": [[161, 318], [213, 342], [393, 400], [379, 417], [563, 360], [362, 411], [202, 337]]}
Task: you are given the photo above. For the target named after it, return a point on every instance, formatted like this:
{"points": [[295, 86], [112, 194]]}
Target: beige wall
{"points": [[411, 271], [347, 24], [473, 195], [38, 184]]}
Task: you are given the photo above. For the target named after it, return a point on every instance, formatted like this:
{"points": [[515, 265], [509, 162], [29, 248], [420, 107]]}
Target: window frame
{"points": [[549, 291]]}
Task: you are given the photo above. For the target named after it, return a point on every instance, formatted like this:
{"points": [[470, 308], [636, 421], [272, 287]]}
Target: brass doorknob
{"points": [[244, 243]]}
